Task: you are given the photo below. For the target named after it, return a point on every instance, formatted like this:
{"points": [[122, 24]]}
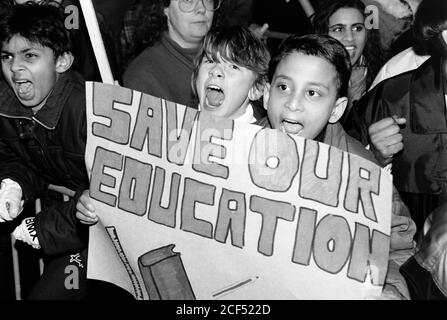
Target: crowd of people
{"points": [[319, 72]]}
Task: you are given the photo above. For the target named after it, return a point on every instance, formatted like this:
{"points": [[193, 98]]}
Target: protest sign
{"points": [[193, 207]]}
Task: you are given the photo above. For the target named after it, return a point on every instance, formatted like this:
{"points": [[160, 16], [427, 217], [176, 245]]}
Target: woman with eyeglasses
{"points": [[172, 32]]}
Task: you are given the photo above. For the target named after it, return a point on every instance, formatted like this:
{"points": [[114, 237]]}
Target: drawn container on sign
{"points": [[164, 275]]}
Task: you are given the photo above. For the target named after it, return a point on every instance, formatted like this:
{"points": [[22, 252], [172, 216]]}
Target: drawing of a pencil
{"points": [[233, 287]]}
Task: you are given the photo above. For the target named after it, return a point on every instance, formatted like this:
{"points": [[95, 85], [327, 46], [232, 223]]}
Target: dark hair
{"points": [[375, 55], [38, 23], [151, 22], [430, 19], [318, 45], [238, 45], [321, 18]]}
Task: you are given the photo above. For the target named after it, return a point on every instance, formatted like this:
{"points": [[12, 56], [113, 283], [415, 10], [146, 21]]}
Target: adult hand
{"points": [[85, 211], [386, 138], [11, 203]]}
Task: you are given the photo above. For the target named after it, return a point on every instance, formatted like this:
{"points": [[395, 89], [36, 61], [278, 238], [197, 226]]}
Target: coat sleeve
{"points": [[14, 168], [432, 249], [58, 229], [402, 247], [369, 109]]}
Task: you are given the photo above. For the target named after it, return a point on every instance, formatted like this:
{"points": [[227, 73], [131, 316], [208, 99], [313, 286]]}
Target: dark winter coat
{"points": [[48, 148]]}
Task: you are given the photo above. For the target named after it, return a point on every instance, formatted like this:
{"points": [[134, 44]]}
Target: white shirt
{"points": [[247, 116]]}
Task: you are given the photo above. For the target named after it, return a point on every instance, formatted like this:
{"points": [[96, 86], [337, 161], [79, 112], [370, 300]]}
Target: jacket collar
{"points": [[427, 98], [48, 116]]}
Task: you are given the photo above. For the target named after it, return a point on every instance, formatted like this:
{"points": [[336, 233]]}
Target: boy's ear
{"points": [[444, 35], [266, 95], [256, 91], [64, 62], [339, 109]]}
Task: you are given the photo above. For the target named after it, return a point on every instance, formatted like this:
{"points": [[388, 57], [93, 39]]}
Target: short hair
{"points": [[238, 45], [430, 19], [318, 45], [38, 23], [321, 18]]}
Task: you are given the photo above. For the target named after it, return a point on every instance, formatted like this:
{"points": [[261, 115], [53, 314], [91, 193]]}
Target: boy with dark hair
{"points": [[306, 97], [309, 74], [230, 73], [42, 142]]}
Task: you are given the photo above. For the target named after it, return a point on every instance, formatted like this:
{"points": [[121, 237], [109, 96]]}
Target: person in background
{"points": [[403, 119], [426, 271], [344, 20], [172, 32], [406, 60]]}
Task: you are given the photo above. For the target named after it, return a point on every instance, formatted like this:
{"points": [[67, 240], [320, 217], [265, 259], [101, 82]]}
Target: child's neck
{"points": [[240, 112], [41, 104], [247, 116]]}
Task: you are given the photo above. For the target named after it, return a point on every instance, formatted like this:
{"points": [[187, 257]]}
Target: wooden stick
{"points": [[15, 263], [307, 7], [96, 39]]}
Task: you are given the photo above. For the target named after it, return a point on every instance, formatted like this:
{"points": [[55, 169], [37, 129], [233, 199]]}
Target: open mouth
{"points": [[214, 96], [23, 87], [351, 50], [291, 126]]}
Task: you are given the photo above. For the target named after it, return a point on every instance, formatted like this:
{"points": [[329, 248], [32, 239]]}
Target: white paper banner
{"points": [[197, 208]]}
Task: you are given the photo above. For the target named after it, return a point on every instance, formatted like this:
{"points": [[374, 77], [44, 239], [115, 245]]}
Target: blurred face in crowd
{"points": [[225, 88], [302, 97], [347, 25], [189, 28]]}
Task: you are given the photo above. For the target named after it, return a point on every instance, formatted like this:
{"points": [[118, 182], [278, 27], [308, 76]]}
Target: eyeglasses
{"points": [[189, 5]]}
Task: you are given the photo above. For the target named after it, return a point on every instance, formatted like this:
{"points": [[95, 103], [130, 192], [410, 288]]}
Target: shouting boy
{"points": [[230, 74], [309, 79], [42, 141]]}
